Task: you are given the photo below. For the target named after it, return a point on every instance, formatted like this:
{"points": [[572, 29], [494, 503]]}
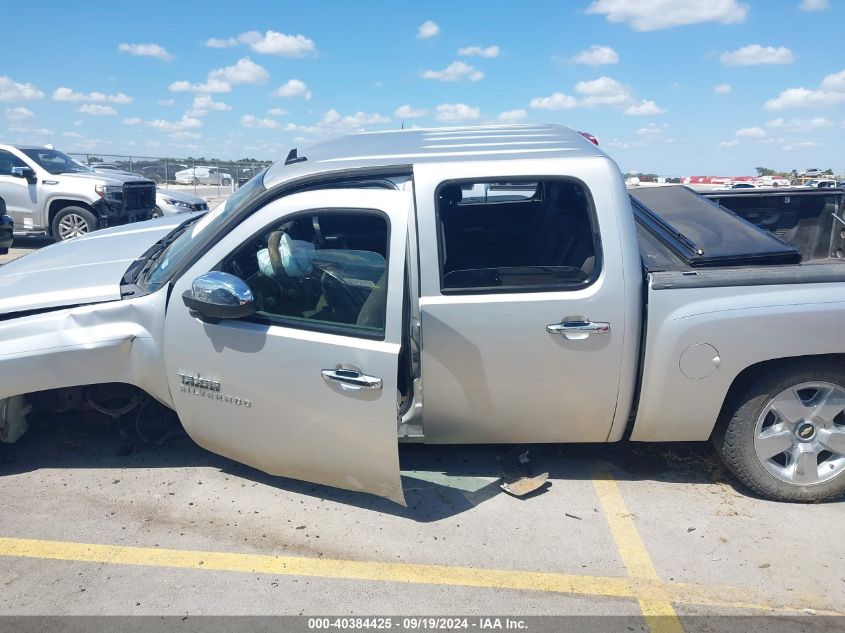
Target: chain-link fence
{"points": [[206, 177]]}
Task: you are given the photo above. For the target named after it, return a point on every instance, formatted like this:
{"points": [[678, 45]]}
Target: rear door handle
{"points": [[578, 329], [352, 378]]}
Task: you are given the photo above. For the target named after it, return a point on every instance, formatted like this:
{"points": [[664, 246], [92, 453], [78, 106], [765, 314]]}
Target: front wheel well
{"points": [[58, 205], [753, 372]]}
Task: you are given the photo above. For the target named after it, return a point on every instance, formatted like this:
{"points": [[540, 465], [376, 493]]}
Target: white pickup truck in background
{"points": [[49, 193], [393, 286]]}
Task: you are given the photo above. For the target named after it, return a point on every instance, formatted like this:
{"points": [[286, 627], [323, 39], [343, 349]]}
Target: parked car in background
{"points": [[245, 174], [7, 226], [821, 183], [172, 202], [203, 176], [104, 167], [811, 172], [772, 181], [740, 185], [49, 193], [162, 172]]}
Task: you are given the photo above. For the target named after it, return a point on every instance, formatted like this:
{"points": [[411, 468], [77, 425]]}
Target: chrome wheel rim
{"points": [[72, 225], [799, 437]]}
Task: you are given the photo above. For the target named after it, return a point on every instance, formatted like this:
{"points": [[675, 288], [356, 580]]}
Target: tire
{"points": [[226, 182], [157, 213], [73, 222], [195, 182], [799, 407]]}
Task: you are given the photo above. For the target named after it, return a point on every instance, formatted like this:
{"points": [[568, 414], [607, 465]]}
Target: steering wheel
{"points": [[275, 256]]}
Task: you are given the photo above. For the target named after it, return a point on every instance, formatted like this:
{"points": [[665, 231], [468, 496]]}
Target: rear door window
{"points": [[515, 235]]}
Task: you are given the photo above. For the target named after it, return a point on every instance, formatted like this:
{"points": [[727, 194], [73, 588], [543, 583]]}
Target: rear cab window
{"points": [[516, 235]]}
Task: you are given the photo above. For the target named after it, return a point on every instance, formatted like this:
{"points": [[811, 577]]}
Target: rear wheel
{"points": [[784, 437], [73, 222], [226, 182]]}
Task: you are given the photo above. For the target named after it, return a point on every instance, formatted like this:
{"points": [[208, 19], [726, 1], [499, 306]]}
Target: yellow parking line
{"points": [[653, 594], [654, 600], [318, 567]]}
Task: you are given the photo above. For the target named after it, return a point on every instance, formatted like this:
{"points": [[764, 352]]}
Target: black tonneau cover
{"points": [[703, 233]]}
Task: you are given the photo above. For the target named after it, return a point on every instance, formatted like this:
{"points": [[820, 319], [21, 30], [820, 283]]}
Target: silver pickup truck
{"points": [[465, 285]]}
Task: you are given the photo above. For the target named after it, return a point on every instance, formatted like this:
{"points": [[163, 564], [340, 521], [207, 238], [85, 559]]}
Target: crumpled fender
{"points": [[116, 341]]}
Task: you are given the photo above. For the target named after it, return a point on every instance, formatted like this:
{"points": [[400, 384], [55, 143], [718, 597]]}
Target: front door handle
{"points": [[352, 378], [578, 329]]}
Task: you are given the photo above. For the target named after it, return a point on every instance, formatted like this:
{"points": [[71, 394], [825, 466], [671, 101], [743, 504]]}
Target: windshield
{"points": [[183, 246], [54, 161]]}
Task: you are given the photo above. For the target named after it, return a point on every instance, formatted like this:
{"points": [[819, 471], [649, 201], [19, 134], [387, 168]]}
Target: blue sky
{"points": [[671, 86]]}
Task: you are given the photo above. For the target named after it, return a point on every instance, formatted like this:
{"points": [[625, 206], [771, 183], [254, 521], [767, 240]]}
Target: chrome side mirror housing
{"points": [[217, 295], [28, 173]]}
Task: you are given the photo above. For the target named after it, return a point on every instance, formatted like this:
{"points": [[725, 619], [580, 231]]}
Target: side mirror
{"points": [[24, 172], [217, 295]]}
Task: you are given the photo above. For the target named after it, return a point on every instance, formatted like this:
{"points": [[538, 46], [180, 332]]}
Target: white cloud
{"points": [[457, 112], [651, 130], [480, 51], [293, 88], [18, 114], [722, 89], [205, 102], [72, 134], [511, 116], [186, 135], [597, 56], [249, 120], [166, 102], [66, 94], [804, 98], [603, 91], [212, 85], [277, 112], [653, 15], [11, 90], [802, 145], [275, 43], [146, 50], [427, 30], [831, 92], [186, 122], [733, 143], [214, 42], [245, 71], [799, 125], [133, 120], [456, 71], [556, 101], [97, 110], [813, 5], [644, 108], [834, 82], [751, 132], [755, 55], [407, 112], [357, 120], [268, 43]]}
